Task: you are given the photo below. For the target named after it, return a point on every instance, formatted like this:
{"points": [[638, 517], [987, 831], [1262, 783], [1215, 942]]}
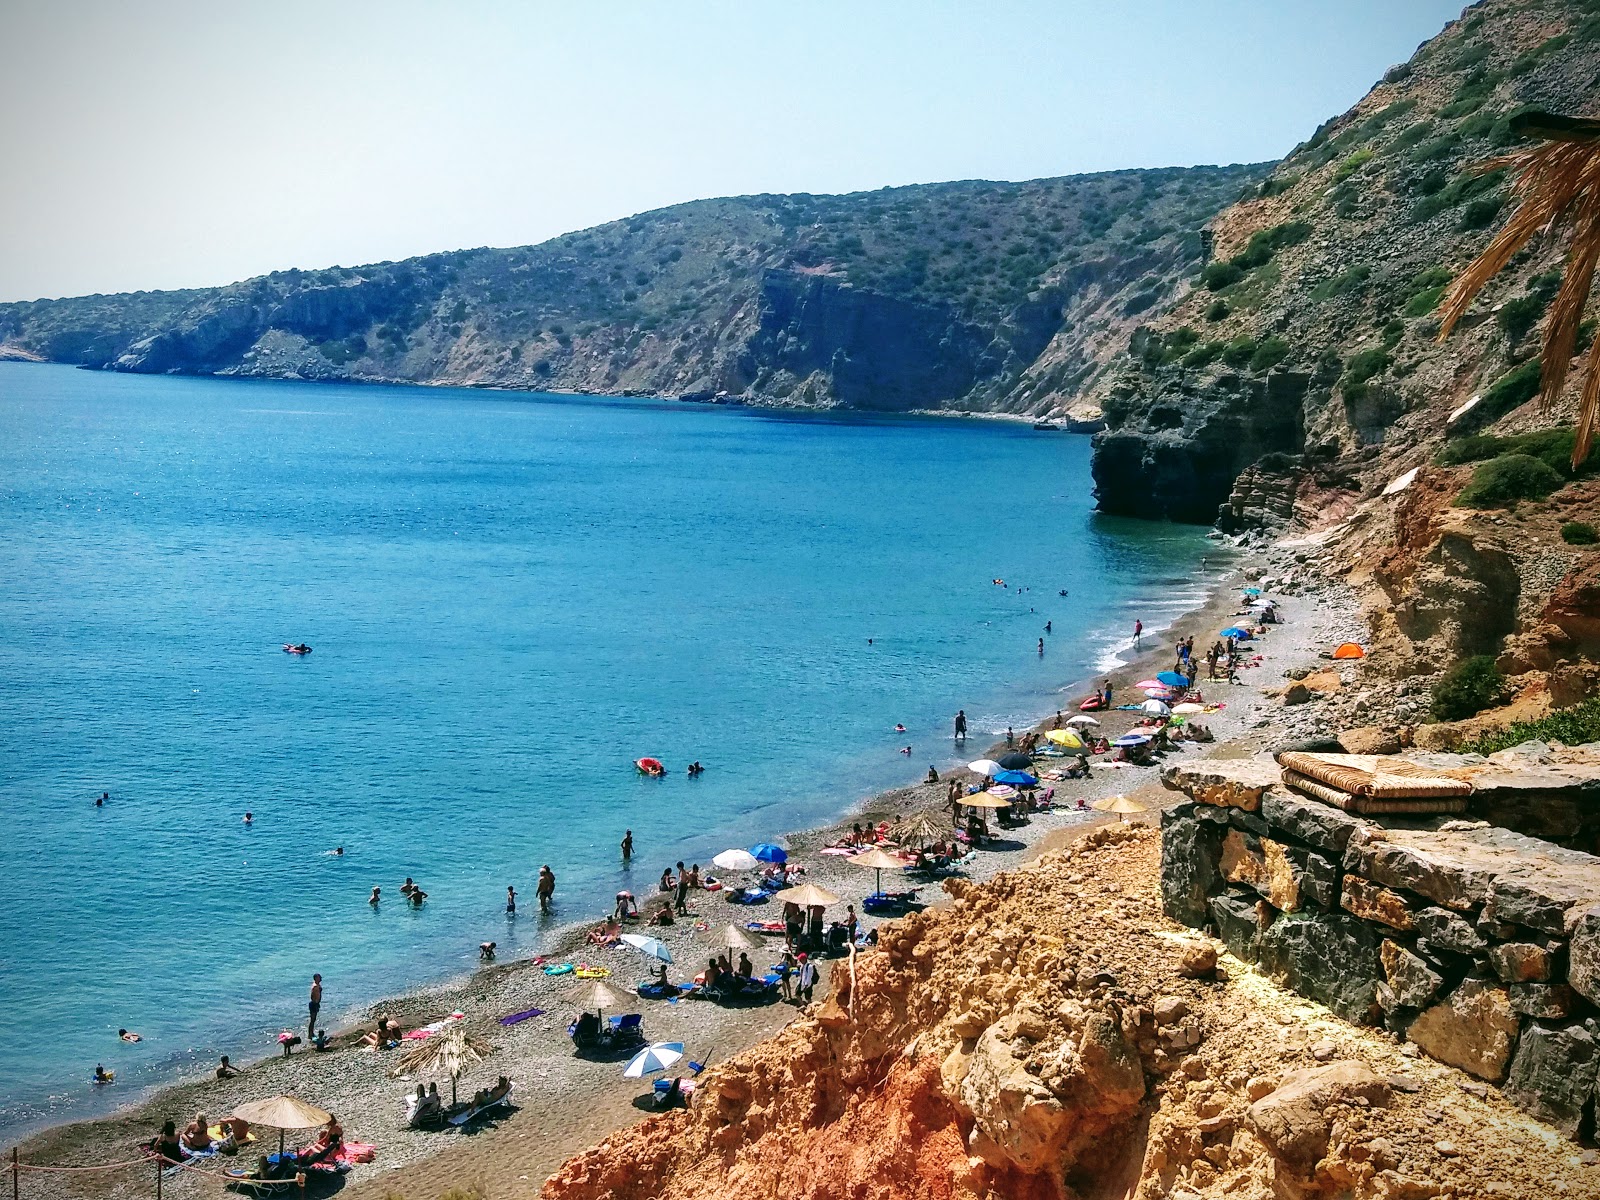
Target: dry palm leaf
{"points": [[1557, 184]]}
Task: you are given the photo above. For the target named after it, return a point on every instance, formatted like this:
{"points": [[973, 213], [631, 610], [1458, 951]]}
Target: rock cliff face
{"points": [[1005, 297]]}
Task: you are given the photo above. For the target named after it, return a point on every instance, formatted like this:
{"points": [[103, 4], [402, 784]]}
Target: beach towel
{"points": [[1376, 776], [1372, 805], [524, 1015], [356, 1152]]}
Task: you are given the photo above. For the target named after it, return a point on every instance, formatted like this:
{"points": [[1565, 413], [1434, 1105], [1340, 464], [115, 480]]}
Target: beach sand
{"points": [[565, 1104]]}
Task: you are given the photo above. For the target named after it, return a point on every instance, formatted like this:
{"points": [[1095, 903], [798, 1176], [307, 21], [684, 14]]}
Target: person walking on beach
{"points": [[961, 725], [313, 1006], [627, 846], [1138, 633], [547, 887], [680, 901], [807, 979], [511, 901]]}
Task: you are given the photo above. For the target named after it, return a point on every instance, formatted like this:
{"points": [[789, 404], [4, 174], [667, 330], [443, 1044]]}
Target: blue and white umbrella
{"points": [[651, 1059], [654, 947], [1132, 739], [768, 853], [1017, 779]]}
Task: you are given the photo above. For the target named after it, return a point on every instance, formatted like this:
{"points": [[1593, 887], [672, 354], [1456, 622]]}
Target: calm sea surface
{"points": [[510, 598]]}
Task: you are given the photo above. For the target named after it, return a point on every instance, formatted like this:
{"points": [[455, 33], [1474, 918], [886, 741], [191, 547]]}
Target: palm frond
{"points": [[1558, 185]]}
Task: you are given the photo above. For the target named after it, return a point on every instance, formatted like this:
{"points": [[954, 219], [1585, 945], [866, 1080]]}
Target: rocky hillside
{"points": [[1306, 357], [1051, 1036], [983, 296]]}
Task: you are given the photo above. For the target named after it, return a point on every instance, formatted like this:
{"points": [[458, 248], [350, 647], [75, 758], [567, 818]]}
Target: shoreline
{"points": [[590, 1095]]}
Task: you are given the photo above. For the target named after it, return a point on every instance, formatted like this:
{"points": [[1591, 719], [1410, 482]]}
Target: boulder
{"points": [[1583, 955], [1026, 1125], [1293, 1119], [1367, 900], [1191, 853], [1331, 957], [1284, 873], [1297, 693], [1553, 1075], [1412, 981], [1543, 1001], [1249, 822], [1311, 821], [1370, 739], [1197, 960], [1447, 931], [1226, 783], [1236, 923], [1521, 962], [1473, 1028]]}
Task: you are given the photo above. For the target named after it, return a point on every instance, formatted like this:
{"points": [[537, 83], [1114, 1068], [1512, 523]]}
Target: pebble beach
{"points": [[564, 1103]]}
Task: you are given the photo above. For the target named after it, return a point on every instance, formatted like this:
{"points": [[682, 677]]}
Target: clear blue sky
{"points": [[164, 143]]}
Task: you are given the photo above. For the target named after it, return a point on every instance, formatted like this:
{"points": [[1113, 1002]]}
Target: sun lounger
{"points": [[469, 1114], [1377, 776]]}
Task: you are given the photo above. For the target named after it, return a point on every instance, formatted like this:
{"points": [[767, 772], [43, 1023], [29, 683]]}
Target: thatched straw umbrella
{"points": [[1557, 185], [1121, 805], [921, 830], [448, 1052], [281, 1113]]}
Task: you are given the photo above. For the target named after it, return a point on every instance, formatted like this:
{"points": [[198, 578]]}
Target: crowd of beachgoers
{"points": [[717, 957]]}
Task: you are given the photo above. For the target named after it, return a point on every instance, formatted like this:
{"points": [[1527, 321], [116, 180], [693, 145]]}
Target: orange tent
{"points": [[1349, 650]]}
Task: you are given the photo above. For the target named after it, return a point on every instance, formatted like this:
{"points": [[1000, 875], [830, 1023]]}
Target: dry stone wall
{"points": [[1478, 944]]}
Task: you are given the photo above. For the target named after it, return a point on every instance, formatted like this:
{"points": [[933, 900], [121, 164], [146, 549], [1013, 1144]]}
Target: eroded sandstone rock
{"points": [[1473, 1028]]}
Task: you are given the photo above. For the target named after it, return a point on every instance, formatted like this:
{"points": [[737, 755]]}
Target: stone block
{"points": [[1365, 899], [1521, 962], [1293, 1120], [1543, 1001], [1212, 815], [1370, 739], [1250, 822], [1191, 852], [1225, 783], [1583, 955], [1553, 1075], [1237, 926], [1243, 861], [1331, 957], [1319, 879], [1311, 821], [1442, 878], [1448, 931], [1534, 902], [1473, 1028], [1283, 875], [1297, 693], [1413, 982]]}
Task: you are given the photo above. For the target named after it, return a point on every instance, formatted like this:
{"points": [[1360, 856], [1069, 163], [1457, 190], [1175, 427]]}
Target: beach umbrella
{"points": [[1015, 762], [1236, 633], [1173, 679], [1155, 708], [768, 853], [1188, 708], [1083, 721], [1120, 805], [1017, 779], [1131, 739], [1160, 693], [1004, 790], [920, 830], [985, 767], [1252, 591], [593, 993], [986, 800], [736, 860], [735, 938], [447, 1053], [654, 947], [806, 895], [878, 861], [1149, 683], [281, 1113], [1063, 737], [652, 1059]]}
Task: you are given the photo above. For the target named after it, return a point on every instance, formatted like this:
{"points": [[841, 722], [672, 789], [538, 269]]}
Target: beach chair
{"points": [[469, 1114], [626, 1029]]}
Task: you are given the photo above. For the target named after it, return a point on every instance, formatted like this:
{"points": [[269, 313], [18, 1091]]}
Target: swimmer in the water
{"points": [[906, 751], [373, 899], [899, 728], [129, 1036], [338, 851], [104, 796]]}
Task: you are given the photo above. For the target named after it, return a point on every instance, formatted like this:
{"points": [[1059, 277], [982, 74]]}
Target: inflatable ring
{"points": [[559, 969]]}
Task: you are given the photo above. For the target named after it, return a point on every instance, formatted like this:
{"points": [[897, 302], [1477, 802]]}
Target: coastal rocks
{"points": [[1583, 967], [1474, 1028], [1370, 902], [1411, 980], [1195, 850], [1329, 957], [1293, 1119], [1224, 783], [1553, 1075]]}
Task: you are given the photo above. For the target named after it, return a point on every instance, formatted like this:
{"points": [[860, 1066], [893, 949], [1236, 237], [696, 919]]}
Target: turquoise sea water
{"points": [[510, 597]]}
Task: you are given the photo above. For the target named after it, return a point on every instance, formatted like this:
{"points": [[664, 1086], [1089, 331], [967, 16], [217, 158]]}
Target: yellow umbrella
{"points": [[1064, 738], [985, 800], [1120, 805], [281, 1113], [806, 895], [878, 861]]}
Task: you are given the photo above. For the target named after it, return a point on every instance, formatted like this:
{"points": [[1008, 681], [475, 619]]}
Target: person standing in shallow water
{"points": [[511, 900], [1138, 633], [547, 887], [627, 846], [961, 725]]}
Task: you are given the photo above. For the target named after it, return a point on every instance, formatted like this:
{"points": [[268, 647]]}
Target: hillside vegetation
{"points": [[1005, 296]]}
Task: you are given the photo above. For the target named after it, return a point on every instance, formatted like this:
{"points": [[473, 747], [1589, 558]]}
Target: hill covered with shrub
{"points": [[977, 295]]}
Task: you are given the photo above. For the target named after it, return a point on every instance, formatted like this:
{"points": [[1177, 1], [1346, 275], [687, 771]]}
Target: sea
{"points": [[510, 598]]}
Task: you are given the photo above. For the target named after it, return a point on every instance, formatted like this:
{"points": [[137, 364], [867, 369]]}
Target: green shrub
{"points": [[1217, 309], [1392, 332], [1511, 390], [1579, 533], [1576, 726], [1221, 274], [1553, 447], [1503, 481], [1411, 135], [1360, 369], [1440, 147], [1480, 214], [1340, 284], [1239, 352], [1203, 355], [1467, 689], [1264, 243], [1352, 164], [1272, 351], [1519, 315]]}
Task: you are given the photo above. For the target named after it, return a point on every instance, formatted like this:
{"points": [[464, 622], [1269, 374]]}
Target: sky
{"points": [[179, 143]]}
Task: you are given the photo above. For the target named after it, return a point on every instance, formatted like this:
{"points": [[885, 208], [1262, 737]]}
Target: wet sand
{"points": [[565, 1103]]}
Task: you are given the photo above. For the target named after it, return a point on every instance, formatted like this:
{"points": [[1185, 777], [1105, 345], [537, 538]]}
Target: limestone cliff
{"points": [[1005, 297]]}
